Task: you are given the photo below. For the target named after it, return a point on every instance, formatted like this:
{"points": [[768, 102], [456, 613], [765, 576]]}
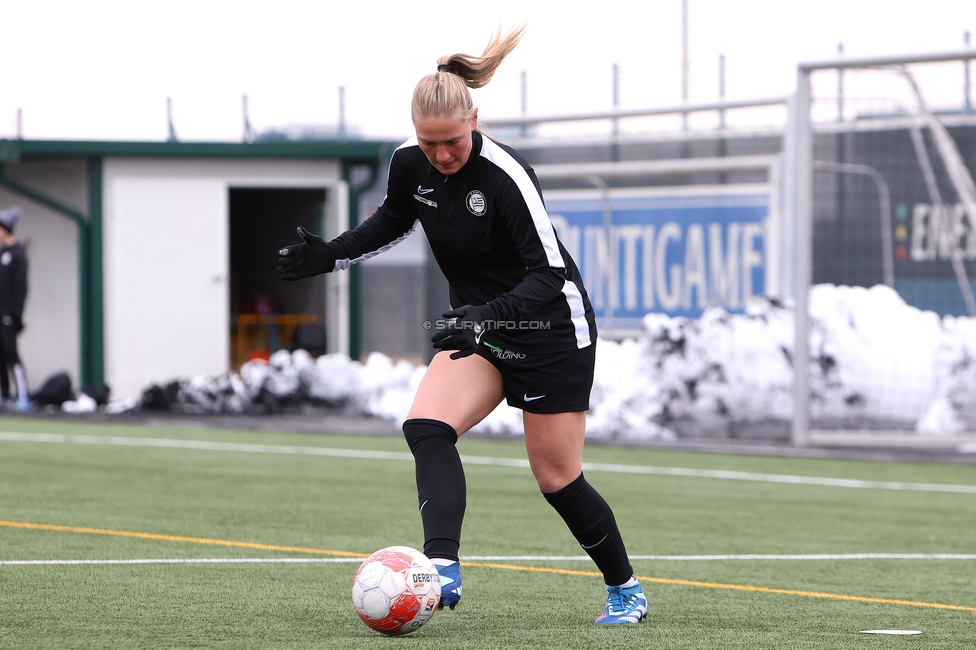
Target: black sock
{"points": [[440, 485], [591, 521]]}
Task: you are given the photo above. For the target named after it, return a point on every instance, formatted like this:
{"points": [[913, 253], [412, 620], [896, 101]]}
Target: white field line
{"points": [[508, 558], [214, 560], [206, 445], [730, 558]]}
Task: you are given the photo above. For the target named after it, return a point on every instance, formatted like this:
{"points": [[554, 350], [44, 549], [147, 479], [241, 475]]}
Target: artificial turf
{"points": [[252, 502]]}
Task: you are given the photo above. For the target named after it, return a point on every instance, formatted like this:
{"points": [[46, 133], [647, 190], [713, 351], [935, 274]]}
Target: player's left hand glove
{"points": [[465, 332]]}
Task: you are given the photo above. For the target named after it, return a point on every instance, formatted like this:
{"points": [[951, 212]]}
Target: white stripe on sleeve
{"points": [[342, 265]]}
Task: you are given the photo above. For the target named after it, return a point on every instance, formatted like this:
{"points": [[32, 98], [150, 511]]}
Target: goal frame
{"points": [[798, 168]]}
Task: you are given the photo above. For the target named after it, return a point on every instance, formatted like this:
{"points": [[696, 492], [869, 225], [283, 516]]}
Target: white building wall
{"points": [[50, 340], [166, 231]]}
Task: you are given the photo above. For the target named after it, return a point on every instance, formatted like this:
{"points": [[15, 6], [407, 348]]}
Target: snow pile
{"points": [[873, 357], [708, 377], [377, 387], [875, 362], [953, 408]]}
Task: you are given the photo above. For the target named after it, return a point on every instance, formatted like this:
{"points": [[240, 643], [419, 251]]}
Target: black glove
{"points": [[13, 322], [465, 332], [313, 256]]}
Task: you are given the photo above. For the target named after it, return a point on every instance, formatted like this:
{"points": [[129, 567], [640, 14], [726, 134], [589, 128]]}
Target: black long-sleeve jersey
{"points": [[13, 280], [492, 238]]}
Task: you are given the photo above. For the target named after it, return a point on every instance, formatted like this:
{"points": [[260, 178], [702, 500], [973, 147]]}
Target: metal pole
{"points": [[840, 85], [525, 101], [721, 90], [611, 279], [342, 111], [93, 369], [666, 167], [171, 137], [684, 61], [876, 61], [802, 218], [616, 97], [966, 86], [639, 112], [20, 123], [248, 130]]}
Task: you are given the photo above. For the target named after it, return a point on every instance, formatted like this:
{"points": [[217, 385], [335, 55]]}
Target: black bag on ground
{"points": [[55, 391], [160, 398], [100, 393]]}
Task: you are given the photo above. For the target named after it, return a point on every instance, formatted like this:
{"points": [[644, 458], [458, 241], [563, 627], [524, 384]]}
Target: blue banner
{"points": [[673, 252]]}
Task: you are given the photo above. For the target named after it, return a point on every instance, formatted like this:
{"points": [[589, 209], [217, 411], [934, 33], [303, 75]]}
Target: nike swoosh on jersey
{"points": [[421, 190], [526, 398]]}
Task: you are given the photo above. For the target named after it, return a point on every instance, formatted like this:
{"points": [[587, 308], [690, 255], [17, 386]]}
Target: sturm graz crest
{"points": [[477, 205]]}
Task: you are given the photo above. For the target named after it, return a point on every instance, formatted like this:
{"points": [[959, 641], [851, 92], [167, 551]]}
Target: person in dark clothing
{"points": [[521, 328], [13, 294]]}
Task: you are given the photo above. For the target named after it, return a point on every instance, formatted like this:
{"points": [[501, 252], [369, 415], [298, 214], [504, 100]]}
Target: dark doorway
{"points": [[267, 313]]}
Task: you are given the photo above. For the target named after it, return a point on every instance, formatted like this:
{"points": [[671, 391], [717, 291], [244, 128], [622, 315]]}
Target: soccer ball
{"points": [[396, 590]]}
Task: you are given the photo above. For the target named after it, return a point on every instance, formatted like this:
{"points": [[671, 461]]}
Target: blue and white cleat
{"points": [[624, 605], [450, 584]]}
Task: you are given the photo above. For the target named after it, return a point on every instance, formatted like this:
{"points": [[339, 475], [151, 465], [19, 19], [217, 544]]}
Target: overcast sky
{"points": [[102, 69]]}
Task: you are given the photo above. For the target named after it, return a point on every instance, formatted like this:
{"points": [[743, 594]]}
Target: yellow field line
{"points": [[491, 565], [177, 538], [719, 585]]}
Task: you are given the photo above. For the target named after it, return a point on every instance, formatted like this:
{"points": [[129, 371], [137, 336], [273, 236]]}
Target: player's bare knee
{"points": [[553, 480]]}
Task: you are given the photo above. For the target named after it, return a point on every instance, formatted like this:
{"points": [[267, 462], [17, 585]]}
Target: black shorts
{"points": [[554, 382]]}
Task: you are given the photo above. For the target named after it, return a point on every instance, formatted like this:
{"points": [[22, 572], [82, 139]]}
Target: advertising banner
{"points": [[673, 250]]}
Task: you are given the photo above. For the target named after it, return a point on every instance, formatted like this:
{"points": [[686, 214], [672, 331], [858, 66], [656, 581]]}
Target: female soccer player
{"points": [[522, 327]]}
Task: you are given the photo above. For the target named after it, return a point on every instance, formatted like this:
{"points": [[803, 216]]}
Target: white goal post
{"points": [[798, 194]]}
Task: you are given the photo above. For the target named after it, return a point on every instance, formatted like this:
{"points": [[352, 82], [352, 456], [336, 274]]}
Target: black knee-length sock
{"points": [[440, 485], [591, 521]]}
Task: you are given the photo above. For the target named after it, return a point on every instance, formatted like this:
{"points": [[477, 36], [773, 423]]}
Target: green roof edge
{"points": [[14, 150]]}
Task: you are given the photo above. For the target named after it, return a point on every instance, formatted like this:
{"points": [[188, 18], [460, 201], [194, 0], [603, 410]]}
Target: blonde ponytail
{"points": [[445, 92]]}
